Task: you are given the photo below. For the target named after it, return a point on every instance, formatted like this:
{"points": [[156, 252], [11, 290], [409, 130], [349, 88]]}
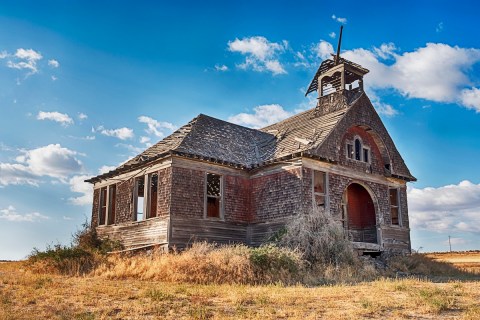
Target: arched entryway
{"points": [[359, 214]]}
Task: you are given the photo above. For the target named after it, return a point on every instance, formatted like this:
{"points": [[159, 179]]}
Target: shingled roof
{"points": [[219, 141]]}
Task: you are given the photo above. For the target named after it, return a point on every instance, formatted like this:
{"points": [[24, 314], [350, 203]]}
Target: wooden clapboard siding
{"points": [[396, 239], [185, 231], [138, 233], [261, 232]]}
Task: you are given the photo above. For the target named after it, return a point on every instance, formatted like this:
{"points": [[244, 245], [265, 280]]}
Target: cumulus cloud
{"points": [[332, 35], [120, 133], [338, 19], [24, 59], [11, 214], [263, 116], [53, 63], [61, 118], [105, 169], [470, 98], [436, 72], [451, 208], [145, 140], [261, 54], [17, 174], [156, 127], [323, 49], [82, 116], [52, 160], [78, 185]]}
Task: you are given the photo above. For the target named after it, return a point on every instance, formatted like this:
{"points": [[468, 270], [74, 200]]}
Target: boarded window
{"points": [[350, 151], [319, 188], [153, 198], [366, 153], [214, 195], [112, 197], [139, 198], [358, 149], [102, 214], [394, 208]]}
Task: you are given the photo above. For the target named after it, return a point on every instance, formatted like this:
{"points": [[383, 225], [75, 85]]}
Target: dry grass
{"points": [[467, 261], [24, 295]]}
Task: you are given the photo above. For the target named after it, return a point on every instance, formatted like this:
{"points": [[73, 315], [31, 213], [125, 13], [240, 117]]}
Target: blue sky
{"points": [[86, 85]]}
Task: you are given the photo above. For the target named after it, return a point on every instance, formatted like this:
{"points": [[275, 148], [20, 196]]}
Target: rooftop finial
{"points": [[337, 57]]}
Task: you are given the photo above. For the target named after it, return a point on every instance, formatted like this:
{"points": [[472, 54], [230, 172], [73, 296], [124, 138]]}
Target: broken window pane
{"points": [[318, 182], [103, 206], [153, 178], [213, 184], [214, 195], [111, 207]]}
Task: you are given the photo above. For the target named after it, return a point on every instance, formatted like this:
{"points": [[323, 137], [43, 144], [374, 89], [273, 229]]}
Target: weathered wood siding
{"points": [[396, 239], [138, 233]]}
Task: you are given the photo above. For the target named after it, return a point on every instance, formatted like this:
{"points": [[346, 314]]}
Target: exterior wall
{"points": [[95, 206], [187, 196], [238, 199], [164, 191], [124, 201], [375, 165], [277, 195]]}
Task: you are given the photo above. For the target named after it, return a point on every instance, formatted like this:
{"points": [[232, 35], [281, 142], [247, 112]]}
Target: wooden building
{"points": [[217, 181]]}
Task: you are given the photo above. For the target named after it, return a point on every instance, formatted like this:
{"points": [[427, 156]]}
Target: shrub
{"points": [[84, 254], [319, 238]]}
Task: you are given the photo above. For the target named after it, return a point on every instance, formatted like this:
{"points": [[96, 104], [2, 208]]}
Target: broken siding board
{"points": [[135, 234]]}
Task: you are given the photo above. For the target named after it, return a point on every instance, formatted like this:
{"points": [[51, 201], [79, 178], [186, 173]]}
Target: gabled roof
{"points": [[219, 141]]}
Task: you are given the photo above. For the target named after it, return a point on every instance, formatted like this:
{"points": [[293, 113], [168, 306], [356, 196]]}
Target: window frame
{"points": [[146, 214], [352, 155], [221, 214], [325, 193], [105, 197], [397, 207]]}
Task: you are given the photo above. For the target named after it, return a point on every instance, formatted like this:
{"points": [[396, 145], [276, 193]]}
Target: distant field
{"points": [[24, 295], [468, 260]]}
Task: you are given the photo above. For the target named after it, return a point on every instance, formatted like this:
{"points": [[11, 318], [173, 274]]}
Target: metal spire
{"points": [[337, 57]]}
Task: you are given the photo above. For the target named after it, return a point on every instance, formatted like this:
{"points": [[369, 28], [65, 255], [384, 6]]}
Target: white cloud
{"points": [[53, 63], [323, 49], [11, 214], [155, 127], [62, 118], [120, 133], [338, 19], [25, 59], [385, 109], [78, 185], [16, 174], [53, 78], [261, 54], [105, 169], [436, 72], [144, 139], [52, 160], [263, 116], [451, 208], [332, 35], [455, 241], [470, 98], [82, 116], [221, 67]]}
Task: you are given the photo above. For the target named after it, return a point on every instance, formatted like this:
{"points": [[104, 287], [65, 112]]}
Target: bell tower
{"points": [[337, 77]]}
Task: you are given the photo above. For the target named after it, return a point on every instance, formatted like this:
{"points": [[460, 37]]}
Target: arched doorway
{"points": [[359, 214]]}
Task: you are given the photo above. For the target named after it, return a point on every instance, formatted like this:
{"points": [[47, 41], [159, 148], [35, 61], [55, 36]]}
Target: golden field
{"points": [[25, 295]]}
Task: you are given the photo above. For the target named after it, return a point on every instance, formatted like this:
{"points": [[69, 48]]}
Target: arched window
{"points": [[358, 150]]}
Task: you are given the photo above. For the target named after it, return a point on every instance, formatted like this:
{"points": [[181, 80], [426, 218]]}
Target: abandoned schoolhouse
{"points": [[220, 182]]}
